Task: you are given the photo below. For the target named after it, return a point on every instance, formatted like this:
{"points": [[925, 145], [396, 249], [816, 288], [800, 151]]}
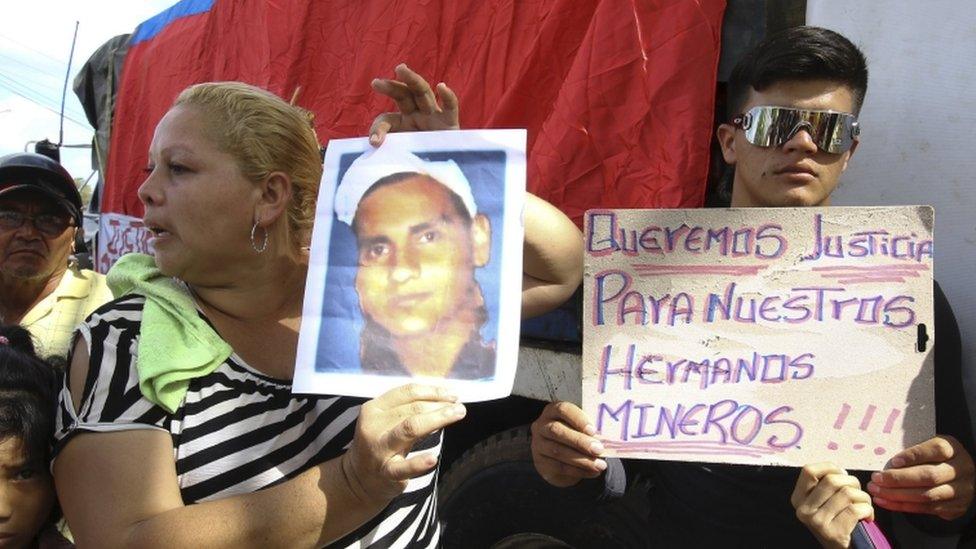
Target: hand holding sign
{"points": [[376, 466], [563, 449], [829, 502], [935, 477]]}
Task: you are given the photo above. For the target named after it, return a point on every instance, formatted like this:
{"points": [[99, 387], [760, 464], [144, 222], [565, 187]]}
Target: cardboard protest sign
{"points": [[763, 336], [416, 266], [118, 235]]}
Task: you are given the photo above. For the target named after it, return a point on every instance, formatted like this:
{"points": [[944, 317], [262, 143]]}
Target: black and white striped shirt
{"points": [[237, 431]]}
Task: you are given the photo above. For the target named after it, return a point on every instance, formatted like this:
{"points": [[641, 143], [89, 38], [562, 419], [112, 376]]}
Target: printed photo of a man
{"points": [[419, 241]]}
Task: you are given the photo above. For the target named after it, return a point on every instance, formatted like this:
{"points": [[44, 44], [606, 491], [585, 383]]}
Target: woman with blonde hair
{"points": [[177, 425]]}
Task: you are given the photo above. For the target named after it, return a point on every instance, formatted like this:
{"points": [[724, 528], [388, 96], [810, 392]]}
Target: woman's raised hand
{"points": [[419, 108]]}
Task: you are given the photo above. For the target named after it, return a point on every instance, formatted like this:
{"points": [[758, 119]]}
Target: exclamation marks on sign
{"points": [[865, 423]]}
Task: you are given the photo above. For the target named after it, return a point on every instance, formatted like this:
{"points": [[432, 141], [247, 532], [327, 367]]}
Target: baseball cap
{"points": [[36, 172], [386, 160]]}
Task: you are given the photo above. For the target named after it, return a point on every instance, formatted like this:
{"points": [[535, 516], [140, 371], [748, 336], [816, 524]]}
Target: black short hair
{"points": [[798, 53], [28, 392]]}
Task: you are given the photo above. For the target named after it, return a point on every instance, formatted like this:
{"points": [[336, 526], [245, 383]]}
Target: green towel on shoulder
{"points": [[175, 343]]}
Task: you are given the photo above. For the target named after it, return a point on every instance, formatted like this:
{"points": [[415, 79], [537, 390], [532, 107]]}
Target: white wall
{"points": [[918, 127]]}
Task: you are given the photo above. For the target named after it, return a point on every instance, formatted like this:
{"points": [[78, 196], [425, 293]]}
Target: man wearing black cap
{"points": [[40, 213]]}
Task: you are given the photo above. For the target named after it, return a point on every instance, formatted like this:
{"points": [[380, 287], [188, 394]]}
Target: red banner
{"points": [[617, 96]]}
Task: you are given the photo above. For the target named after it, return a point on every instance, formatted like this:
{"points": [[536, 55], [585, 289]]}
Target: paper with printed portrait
{"points": [[781, 336], [415, 268]]}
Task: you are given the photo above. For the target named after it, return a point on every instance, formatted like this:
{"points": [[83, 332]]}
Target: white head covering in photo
{"points": [[378, 163]]}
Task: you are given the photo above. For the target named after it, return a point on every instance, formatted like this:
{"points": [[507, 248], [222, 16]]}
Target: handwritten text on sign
{"points": [[118, 235], [773, 336]]}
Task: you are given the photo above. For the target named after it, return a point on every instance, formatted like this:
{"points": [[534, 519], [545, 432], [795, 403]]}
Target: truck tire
{"points": [[492, 497]]}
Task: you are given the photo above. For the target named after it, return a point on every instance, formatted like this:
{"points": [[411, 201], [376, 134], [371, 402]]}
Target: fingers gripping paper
{"points": [[764, 336]]}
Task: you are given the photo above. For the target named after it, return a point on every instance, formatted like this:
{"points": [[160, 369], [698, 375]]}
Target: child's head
{"points": [[28, 389]]}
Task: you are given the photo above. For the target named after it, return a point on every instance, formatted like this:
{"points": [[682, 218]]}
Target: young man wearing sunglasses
{"points": [[792, 130], [40, 214]]}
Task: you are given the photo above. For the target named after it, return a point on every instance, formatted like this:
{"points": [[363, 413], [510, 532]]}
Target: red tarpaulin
{"points": [[617, 96]]}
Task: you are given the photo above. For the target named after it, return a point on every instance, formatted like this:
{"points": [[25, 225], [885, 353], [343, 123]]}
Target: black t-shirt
{"points": [[475, 361]]}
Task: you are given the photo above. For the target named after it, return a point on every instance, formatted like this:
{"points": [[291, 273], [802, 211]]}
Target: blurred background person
{"points": [[40, 287]]}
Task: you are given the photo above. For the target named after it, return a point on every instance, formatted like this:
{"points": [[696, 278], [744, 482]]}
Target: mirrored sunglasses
{"points": [[832, 132], [46, 223]]}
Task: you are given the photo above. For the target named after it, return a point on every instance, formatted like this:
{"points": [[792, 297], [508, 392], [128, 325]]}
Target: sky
{"points": [[35, 40]]}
